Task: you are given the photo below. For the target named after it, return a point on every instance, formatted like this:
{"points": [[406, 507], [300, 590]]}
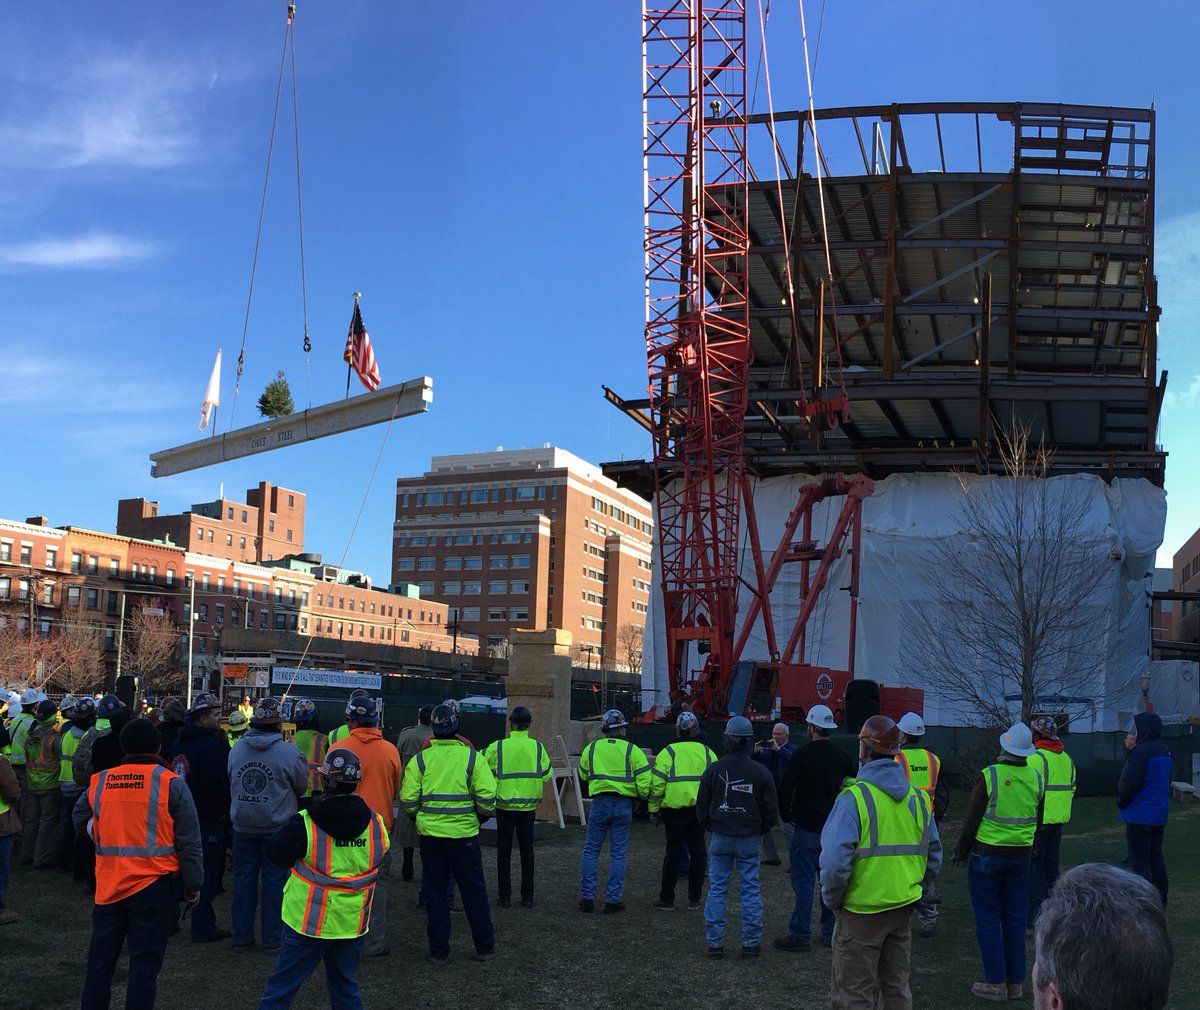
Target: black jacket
{"points": [[343, 817], [107, 751], [200, 758], [737, 794], [811, 782]]}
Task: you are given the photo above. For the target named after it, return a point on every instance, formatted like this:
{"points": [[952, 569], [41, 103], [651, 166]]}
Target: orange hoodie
{"points": [[380, 784]]}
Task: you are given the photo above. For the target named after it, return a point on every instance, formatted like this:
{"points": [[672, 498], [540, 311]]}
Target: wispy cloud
{"points": [[46, 391], [1184, 399], [99, 250]]}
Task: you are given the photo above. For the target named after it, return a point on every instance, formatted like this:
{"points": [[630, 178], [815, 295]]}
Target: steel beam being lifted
{"points": [[403, 400]]}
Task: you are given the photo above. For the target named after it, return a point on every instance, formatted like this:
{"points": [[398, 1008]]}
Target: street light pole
{"points": [[191, 584]]}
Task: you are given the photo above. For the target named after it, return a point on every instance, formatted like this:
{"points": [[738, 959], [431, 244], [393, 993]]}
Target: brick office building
{"points": [[528, 538], [268, 525]]}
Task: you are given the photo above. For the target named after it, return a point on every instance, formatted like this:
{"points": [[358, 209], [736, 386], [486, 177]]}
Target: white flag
{"points": [[212, 396]]}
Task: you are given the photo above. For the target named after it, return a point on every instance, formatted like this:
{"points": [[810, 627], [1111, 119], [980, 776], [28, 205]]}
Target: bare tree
{"points": [[151, 648], [78, 661], [1019, 597], [25, 657], [630, 638]]}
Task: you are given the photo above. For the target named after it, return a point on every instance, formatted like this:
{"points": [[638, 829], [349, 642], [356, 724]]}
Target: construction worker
{"points": [[814, 776], [267, 776], [522, 768], [411, 740], [239, 722], [19, 725], [333, 850], [448, 790], [878, 845], [201, 759], [617, 773], [674, 783], [1003, 817], [96, 752], [737, 802], [312, 743], [343, 731], [1059, 772], [135, 871], [42, 767], [81, 716], [10, 826], [379, 789], [924, 771], [246, 707]]}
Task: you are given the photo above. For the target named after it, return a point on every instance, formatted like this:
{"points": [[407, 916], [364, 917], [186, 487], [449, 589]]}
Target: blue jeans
{"points": [[460, 859], [249, 862], [726, 852], [999, 889], [144, 920], [6, 847], [805, 864], [299, 957], [1145, 845], [610, 815]]}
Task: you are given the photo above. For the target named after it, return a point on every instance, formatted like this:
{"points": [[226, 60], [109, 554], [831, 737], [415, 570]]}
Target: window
{"points": [[220, 583], [202, 644], [463, 538], [425, 588], [242, 543], [204, 612], [435, 498], [519, 587], [527, 492], [199, 532], [473, 564], [427, 564], [341, 602], [291, 597], [243, 515], [93, 599], [73, 593], [518, 614], [6, 552], [263, 622], [304, 599], [235, 617], [5, 587], [279, 594], [110, 638], [220, 613], [230, 511], [76, 560], [520, 561], [451, 588], [404, 499], [499, 586], [452, 564], [304, 624], [228, 539], [498, 561], [406, 564], [280, 622], [494, 495], [204, 582], [289, 536], [362, 607], [404, 636], [497, 614], [26, 554], [468, 614], [479, 495], [51, 557], [170, 575], [48, 593], [291, 501], [472, 588], [270, 525], [511, 537]]}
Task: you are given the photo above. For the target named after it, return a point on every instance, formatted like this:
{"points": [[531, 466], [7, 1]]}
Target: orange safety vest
{"points": [[132, 828]]}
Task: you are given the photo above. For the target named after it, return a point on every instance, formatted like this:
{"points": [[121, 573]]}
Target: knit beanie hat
{"points": [[140, 737]]}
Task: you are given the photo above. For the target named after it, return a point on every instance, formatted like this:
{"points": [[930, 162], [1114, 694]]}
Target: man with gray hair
{"points": [[1101, 943]]}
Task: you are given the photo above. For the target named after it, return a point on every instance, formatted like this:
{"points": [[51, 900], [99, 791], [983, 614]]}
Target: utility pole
{"points": [[452, 627], [120, 637], [191, 584]]}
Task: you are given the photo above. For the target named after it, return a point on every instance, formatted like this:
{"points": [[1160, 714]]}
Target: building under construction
{"points": [[924, 278]]}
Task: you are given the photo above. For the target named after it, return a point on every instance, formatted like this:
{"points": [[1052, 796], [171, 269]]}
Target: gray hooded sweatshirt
{"points": [[842, 831], [267, 775]]}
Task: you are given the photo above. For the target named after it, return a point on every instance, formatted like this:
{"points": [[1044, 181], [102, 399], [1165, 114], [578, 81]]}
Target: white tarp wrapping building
{"points": [[907, 524]]}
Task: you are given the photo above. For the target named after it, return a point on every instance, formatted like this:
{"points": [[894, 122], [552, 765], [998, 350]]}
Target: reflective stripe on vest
{"points": [[1010, 817], [438, 811], [41, 766], [1059, 770], [684, 762], [69, 745], [132, 828], [922, 768], [330, 890], [892, 852], [310, 743], [609, 766], [18, 730], [513, 792]]}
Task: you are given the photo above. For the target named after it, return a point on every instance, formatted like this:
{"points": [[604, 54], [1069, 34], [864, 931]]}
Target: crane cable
{"points": [[288, 42]]}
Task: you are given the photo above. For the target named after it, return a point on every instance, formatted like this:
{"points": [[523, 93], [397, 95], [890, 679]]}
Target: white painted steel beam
{"points": [[403, 400]]}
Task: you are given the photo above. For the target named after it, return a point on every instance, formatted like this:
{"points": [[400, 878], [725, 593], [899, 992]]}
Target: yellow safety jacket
{"points": [[18, 729], [922, 768], [328, 893], [675, 780], [522, 769], [340, 733], [892, 851], [1059, 772], [448, 790], [1013, 795], [313, 746], [42, 766], [613, 765], [68, 743]]}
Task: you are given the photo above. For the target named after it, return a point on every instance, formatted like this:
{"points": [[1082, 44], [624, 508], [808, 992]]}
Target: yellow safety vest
{"points": [[1013, 793], [922, 768], [448, 789], [313, 746], [68, 744], [676, 776], [340, 733], [892, 852], [522, 769], [614, 765], [1059, 772], [41, 765], [18, 729], [329, 892]]}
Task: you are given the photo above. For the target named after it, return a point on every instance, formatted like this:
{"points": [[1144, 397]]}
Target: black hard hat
{"points": [[109, 706], [444, 721], [521, 717], [45, 710], [362, 709], [342, 767]]}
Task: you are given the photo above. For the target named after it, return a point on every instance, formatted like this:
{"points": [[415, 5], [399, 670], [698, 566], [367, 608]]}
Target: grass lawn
{"points": [[554, 956]]}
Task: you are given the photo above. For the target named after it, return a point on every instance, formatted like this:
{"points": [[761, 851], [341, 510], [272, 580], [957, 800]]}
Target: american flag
{"points": [[359, 355]]}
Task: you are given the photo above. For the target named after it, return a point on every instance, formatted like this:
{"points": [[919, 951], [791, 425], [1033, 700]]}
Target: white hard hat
{"points": [[911, 724], [1018, 740], [821, 717], [29, 697]]}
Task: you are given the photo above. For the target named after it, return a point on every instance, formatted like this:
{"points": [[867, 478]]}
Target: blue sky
{"points": [[475, 170]]}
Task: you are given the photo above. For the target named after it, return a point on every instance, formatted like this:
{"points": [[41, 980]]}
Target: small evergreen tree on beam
{"points": [[276, 400]]}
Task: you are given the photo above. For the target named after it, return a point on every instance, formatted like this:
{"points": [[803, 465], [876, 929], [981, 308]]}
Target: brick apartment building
{"points": [[528, 538], [268, 525], [1185, 577], [50, 575]]}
